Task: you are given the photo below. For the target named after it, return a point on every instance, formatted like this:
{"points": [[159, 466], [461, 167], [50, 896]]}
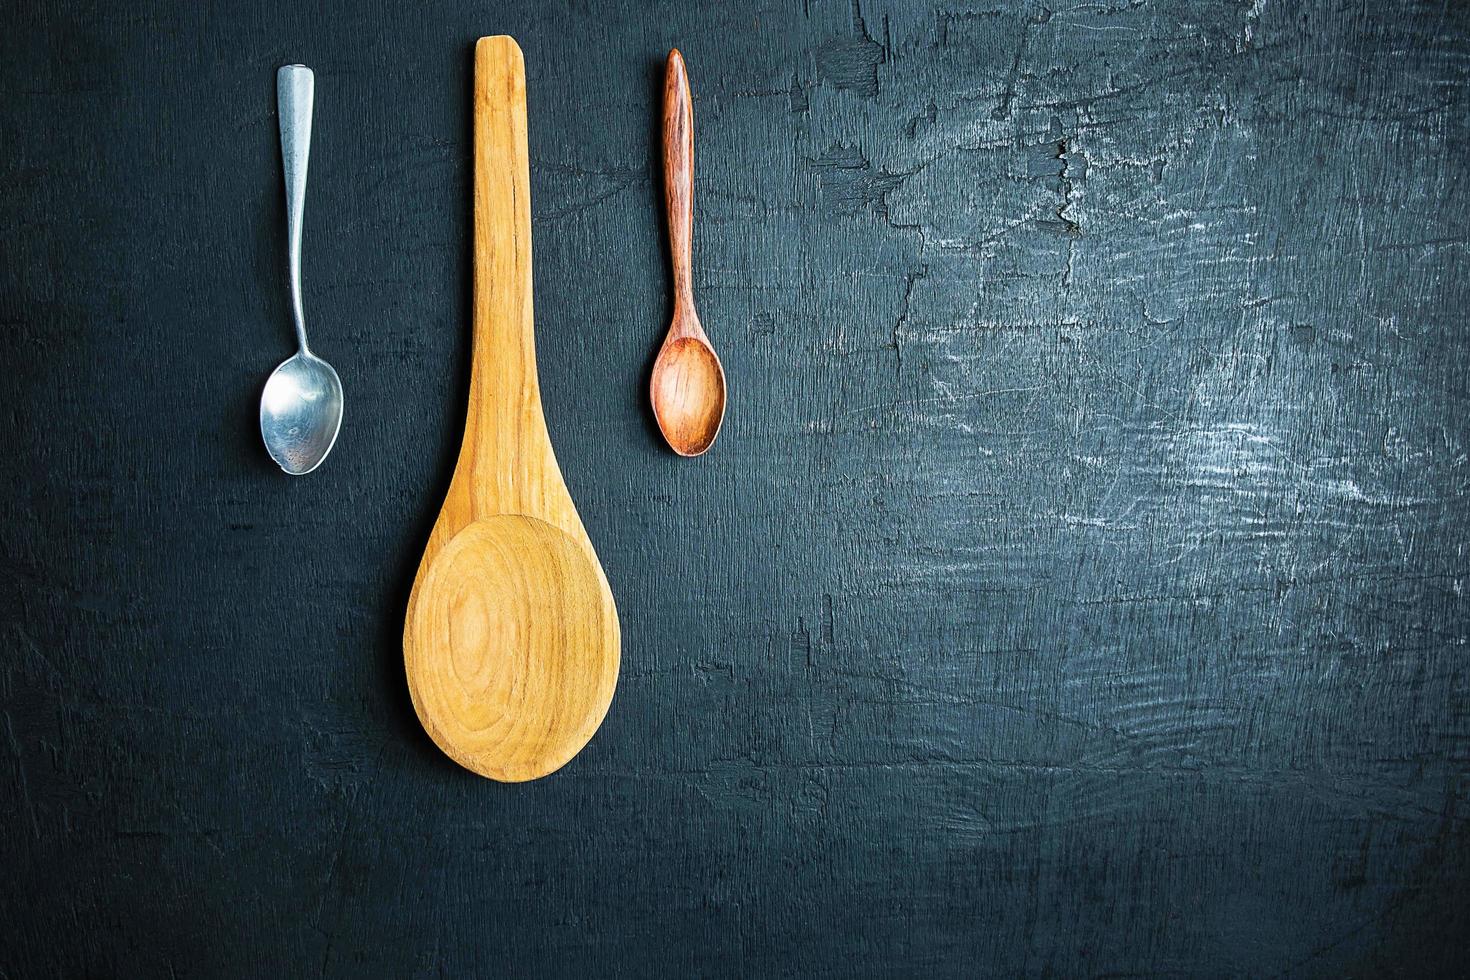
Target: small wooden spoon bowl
{"points": [[688, 390]]}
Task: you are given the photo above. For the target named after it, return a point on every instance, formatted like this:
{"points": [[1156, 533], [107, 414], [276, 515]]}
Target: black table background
{"points": [[1077, 585]]}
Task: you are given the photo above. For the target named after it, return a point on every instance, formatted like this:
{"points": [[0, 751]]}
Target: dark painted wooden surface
{"points": [[1078, 585]]}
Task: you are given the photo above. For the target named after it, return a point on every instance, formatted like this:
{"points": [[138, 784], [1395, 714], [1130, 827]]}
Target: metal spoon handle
{"points": [[679, 173], [295, 90]]}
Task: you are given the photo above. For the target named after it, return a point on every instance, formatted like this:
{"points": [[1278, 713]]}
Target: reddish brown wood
{"points": [[679, 176], [688, 383]]}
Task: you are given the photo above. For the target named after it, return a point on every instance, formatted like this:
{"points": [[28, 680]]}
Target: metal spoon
{"points": [[301, 407], [688, 383]]}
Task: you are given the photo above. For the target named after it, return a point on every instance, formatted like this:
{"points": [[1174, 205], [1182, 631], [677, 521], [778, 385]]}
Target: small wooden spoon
{"points": [[688, 384], [511, 641]]}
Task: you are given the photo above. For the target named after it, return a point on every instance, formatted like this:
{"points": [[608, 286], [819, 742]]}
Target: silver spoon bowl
{"points": [[301, 412], [301, 407]]}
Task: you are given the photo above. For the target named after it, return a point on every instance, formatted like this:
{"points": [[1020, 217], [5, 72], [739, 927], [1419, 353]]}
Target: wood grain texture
{"points": [[1077, 586], [687, 385], [511, 639], [678, 143]]}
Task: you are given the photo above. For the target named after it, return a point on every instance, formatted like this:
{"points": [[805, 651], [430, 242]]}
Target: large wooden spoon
{"points": [[511, 641], [688, 384]]}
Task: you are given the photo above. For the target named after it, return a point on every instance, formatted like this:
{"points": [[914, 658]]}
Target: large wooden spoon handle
{"points": [[502, 202], [507, 465], [679, 174]]}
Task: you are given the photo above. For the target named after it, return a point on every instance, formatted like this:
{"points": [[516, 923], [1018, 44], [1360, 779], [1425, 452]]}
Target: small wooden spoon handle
{"points": [[679, 177]]}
